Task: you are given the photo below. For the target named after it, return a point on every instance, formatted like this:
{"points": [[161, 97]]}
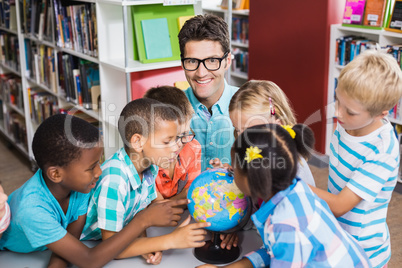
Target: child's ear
{"points": [[136, 142], [54, 174], [383, 114]]}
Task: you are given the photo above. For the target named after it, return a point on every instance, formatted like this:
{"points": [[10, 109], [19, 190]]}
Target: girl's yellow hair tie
{"points": [[252, 153], [289, 129]]}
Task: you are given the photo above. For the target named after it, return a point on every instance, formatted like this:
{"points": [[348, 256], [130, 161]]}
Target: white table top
{"points": [[175, 258]]}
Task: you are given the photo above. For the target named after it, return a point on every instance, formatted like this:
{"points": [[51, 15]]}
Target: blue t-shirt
{"points": [[37, 218], [214, 132]]}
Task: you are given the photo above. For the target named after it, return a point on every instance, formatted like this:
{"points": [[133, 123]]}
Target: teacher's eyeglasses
{"points": [[211, 64]]}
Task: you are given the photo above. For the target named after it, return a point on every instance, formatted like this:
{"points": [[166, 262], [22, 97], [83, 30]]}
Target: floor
{"points": [[16, 169]]}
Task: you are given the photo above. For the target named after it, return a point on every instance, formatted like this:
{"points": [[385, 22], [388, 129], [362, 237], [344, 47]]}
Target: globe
{"points": [[215, 198]]}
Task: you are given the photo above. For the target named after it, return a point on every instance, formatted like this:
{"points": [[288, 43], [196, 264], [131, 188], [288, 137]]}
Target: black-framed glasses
{"points": [[211, 64], [186, 138]]}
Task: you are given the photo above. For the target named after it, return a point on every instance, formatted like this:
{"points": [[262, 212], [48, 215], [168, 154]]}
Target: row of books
{"points": [[11, 90], [8, 14], [348, 47], [396, 111], [240, 61], [41, 64], [364, 12], [9, 50], [395, 51], [42, 104], [16, 128], [37, 18], [79, 81], [240, 30], [76, 26], [73, 78]]}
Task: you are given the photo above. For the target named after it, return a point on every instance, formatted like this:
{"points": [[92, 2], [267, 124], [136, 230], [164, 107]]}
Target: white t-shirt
{"points": [[367, 165]]}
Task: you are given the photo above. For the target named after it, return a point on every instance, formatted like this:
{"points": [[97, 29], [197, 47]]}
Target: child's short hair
{"points": [[253, 98], [172, 96], [142, 116], [60, 139], [374, 79], [204, 27], [275, 170]]}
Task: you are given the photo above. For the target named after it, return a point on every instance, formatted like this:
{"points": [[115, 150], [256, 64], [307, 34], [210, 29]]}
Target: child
{"points": [[297, 227], [261, 102], [49, 210], [173, 183], [127, 185], [364, 152], [4, 212]]}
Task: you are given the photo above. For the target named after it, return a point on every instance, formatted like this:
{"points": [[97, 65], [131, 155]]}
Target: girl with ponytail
{"points": [[297, 228]]}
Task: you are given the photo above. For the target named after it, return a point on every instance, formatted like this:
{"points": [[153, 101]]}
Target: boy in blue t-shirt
{"points": [[364, 152], [49, 210]]}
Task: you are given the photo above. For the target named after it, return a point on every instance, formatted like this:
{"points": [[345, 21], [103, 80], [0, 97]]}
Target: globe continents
{"points": [[215, 198]]}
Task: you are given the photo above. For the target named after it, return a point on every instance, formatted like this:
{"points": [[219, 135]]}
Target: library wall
{"points": [[289, 45]]}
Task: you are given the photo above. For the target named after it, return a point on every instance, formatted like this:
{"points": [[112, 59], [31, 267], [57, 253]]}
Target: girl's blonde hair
{"points": [[253, 98]]}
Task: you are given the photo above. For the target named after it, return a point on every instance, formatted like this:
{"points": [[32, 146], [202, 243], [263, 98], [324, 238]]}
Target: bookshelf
{"points": [[382, 37], [237, 21], [112, 54]]}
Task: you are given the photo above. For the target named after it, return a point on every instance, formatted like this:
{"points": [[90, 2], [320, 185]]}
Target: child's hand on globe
{"points": [[189, 235], [216, 163]]}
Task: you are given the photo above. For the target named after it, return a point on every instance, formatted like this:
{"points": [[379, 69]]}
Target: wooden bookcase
{"points": [[116, 64]]}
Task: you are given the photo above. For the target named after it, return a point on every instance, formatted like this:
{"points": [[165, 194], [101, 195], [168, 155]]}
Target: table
{"points": [[174, 258]]}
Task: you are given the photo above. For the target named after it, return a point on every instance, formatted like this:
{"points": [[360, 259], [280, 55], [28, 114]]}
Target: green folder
{"points": [[156, 38], [158, 11]]}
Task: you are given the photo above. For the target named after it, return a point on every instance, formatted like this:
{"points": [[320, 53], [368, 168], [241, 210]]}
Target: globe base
{"points": [[212, 253]]}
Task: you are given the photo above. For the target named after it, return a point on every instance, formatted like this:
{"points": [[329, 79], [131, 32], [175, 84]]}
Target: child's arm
{"points": [[341, 203], [74, 251], [75, 229], [185, 236]]}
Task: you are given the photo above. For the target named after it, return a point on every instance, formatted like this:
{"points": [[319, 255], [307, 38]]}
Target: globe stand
{"points": [[212, 253]]}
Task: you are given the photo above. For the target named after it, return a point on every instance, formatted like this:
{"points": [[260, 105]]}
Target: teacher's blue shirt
{"points": [[214, 132]]}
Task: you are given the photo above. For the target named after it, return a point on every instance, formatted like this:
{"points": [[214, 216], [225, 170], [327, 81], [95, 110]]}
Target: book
{"points": [[95, 97], [89, 77], [77, 85], [354, 10], [374, 13], [156, 38], [157, 11], [395, 20]]}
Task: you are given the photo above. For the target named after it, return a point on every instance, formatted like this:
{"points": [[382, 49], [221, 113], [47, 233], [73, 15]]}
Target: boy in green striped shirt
{"points": [[149, 130]]}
